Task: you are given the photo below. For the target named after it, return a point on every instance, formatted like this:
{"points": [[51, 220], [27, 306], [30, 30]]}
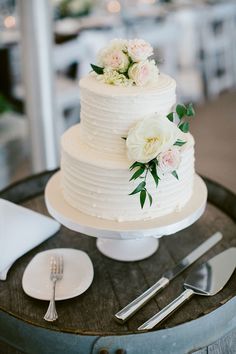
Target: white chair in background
{"points": [[217, 48], [67, 90], [175, 46], [67, 103], [163, 38], [189, 76]]}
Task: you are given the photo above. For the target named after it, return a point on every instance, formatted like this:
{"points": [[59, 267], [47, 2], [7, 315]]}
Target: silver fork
{"points": [[56, 269]]}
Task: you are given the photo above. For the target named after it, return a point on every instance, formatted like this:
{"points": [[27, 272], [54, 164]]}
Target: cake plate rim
{"points": [[99, 227], [118, 240]]}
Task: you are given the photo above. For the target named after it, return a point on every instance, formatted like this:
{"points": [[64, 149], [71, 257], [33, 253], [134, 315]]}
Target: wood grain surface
{"points": [[117, 283]]}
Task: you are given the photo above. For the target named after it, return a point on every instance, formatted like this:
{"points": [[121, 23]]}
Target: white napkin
{"points": [[21, 229]]}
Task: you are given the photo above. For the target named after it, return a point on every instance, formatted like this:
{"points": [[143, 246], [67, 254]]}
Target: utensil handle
{"points": [[166, 311], [129, 310], [51, 314]]}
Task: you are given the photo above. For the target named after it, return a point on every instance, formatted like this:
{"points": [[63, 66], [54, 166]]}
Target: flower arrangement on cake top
{"points": [[155, 144], [126, 62]]}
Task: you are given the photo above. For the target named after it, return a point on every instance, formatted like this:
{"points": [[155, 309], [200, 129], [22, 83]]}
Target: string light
{"points": [[9, 22], [114, 6]]}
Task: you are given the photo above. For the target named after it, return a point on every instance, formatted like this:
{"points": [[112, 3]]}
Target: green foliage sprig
{"points": [[98, 69], [142, 170], [183, 112]]}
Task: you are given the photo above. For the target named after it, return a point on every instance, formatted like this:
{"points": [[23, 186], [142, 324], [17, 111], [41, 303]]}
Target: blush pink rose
{"points": [[169, 160], [139, 50], [143, 72], [116, 60]]}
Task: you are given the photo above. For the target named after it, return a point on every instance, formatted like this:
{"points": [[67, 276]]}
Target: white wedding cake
{"points": [[131, 157]]}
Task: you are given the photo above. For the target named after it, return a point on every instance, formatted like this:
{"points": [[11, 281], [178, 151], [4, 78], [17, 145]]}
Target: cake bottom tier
{"points": [[99, 186]]}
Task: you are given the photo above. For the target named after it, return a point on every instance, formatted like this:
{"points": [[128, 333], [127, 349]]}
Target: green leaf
{"points": [[190, 110], [138, 173], [97, 69], [174, 173], [124, 138], [179, 142], [136, 164], [153, 171], [143, 197], [170, 116], [184, 127], [181, 110], [150, 198], [138, 189]]}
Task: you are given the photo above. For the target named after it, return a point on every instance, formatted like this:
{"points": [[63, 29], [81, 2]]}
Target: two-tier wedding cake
{"points": [[131, 157]]}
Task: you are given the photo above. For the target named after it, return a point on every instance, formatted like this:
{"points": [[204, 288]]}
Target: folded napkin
{"points": [[21, 229]]}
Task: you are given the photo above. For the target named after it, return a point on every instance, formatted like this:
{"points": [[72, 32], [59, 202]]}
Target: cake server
{"points": [[130, 309], [207, 279]]}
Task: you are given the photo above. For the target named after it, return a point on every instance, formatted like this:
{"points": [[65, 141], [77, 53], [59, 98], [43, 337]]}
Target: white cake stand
{"points": [[125, 241]]}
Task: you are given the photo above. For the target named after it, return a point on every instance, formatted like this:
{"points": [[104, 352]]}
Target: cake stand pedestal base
{"points": [[128, 250]]}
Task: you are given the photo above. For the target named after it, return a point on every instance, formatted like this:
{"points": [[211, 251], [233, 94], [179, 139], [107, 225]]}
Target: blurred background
{"points": [[47, 45]]}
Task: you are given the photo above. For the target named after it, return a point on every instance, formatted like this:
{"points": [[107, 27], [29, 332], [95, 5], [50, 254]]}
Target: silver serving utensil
{"points": [[207, 279], [56, 273], [130, 309]]}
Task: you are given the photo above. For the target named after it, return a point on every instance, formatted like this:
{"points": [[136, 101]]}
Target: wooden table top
{"points": [[117, 283]]}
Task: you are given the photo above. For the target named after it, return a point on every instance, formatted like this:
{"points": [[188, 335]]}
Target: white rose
{"points": [[150, 137], [143, 72], [139, 50], [169, 160], [116, 60], [114, 56]]}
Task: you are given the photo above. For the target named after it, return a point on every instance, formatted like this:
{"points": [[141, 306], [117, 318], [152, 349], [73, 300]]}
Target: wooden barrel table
{"points": [[86, 323]]}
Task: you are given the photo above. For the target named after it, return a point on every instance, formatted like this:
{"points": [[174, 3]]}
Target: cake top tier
{"points": [[108, 111], [126, 63], [164, 84]]}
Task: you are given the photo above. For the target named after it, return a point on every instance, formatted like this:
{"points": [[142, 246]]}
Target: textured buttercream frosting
{"points": [[108, 111], [101, 187]]}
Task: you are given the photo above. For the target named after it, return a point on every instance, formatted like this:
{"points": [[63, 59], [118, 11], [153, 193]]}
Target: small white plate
{"points": [[77, 275]]}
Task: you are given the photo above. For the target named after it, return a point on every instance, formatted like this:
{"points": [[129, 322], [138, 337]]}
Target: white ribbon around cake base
{"points": [[125, 241]]}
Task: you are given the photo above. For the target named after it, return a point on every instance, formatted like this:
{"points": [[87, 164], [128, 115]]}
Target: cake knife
{"points": [[130, 309], [206, 279]]}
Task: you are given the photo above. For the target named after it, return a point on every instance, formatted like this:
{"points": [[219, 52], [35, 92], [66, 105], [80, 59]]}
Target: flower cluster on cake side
{"points": [[126, 63], [155, 144]]}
